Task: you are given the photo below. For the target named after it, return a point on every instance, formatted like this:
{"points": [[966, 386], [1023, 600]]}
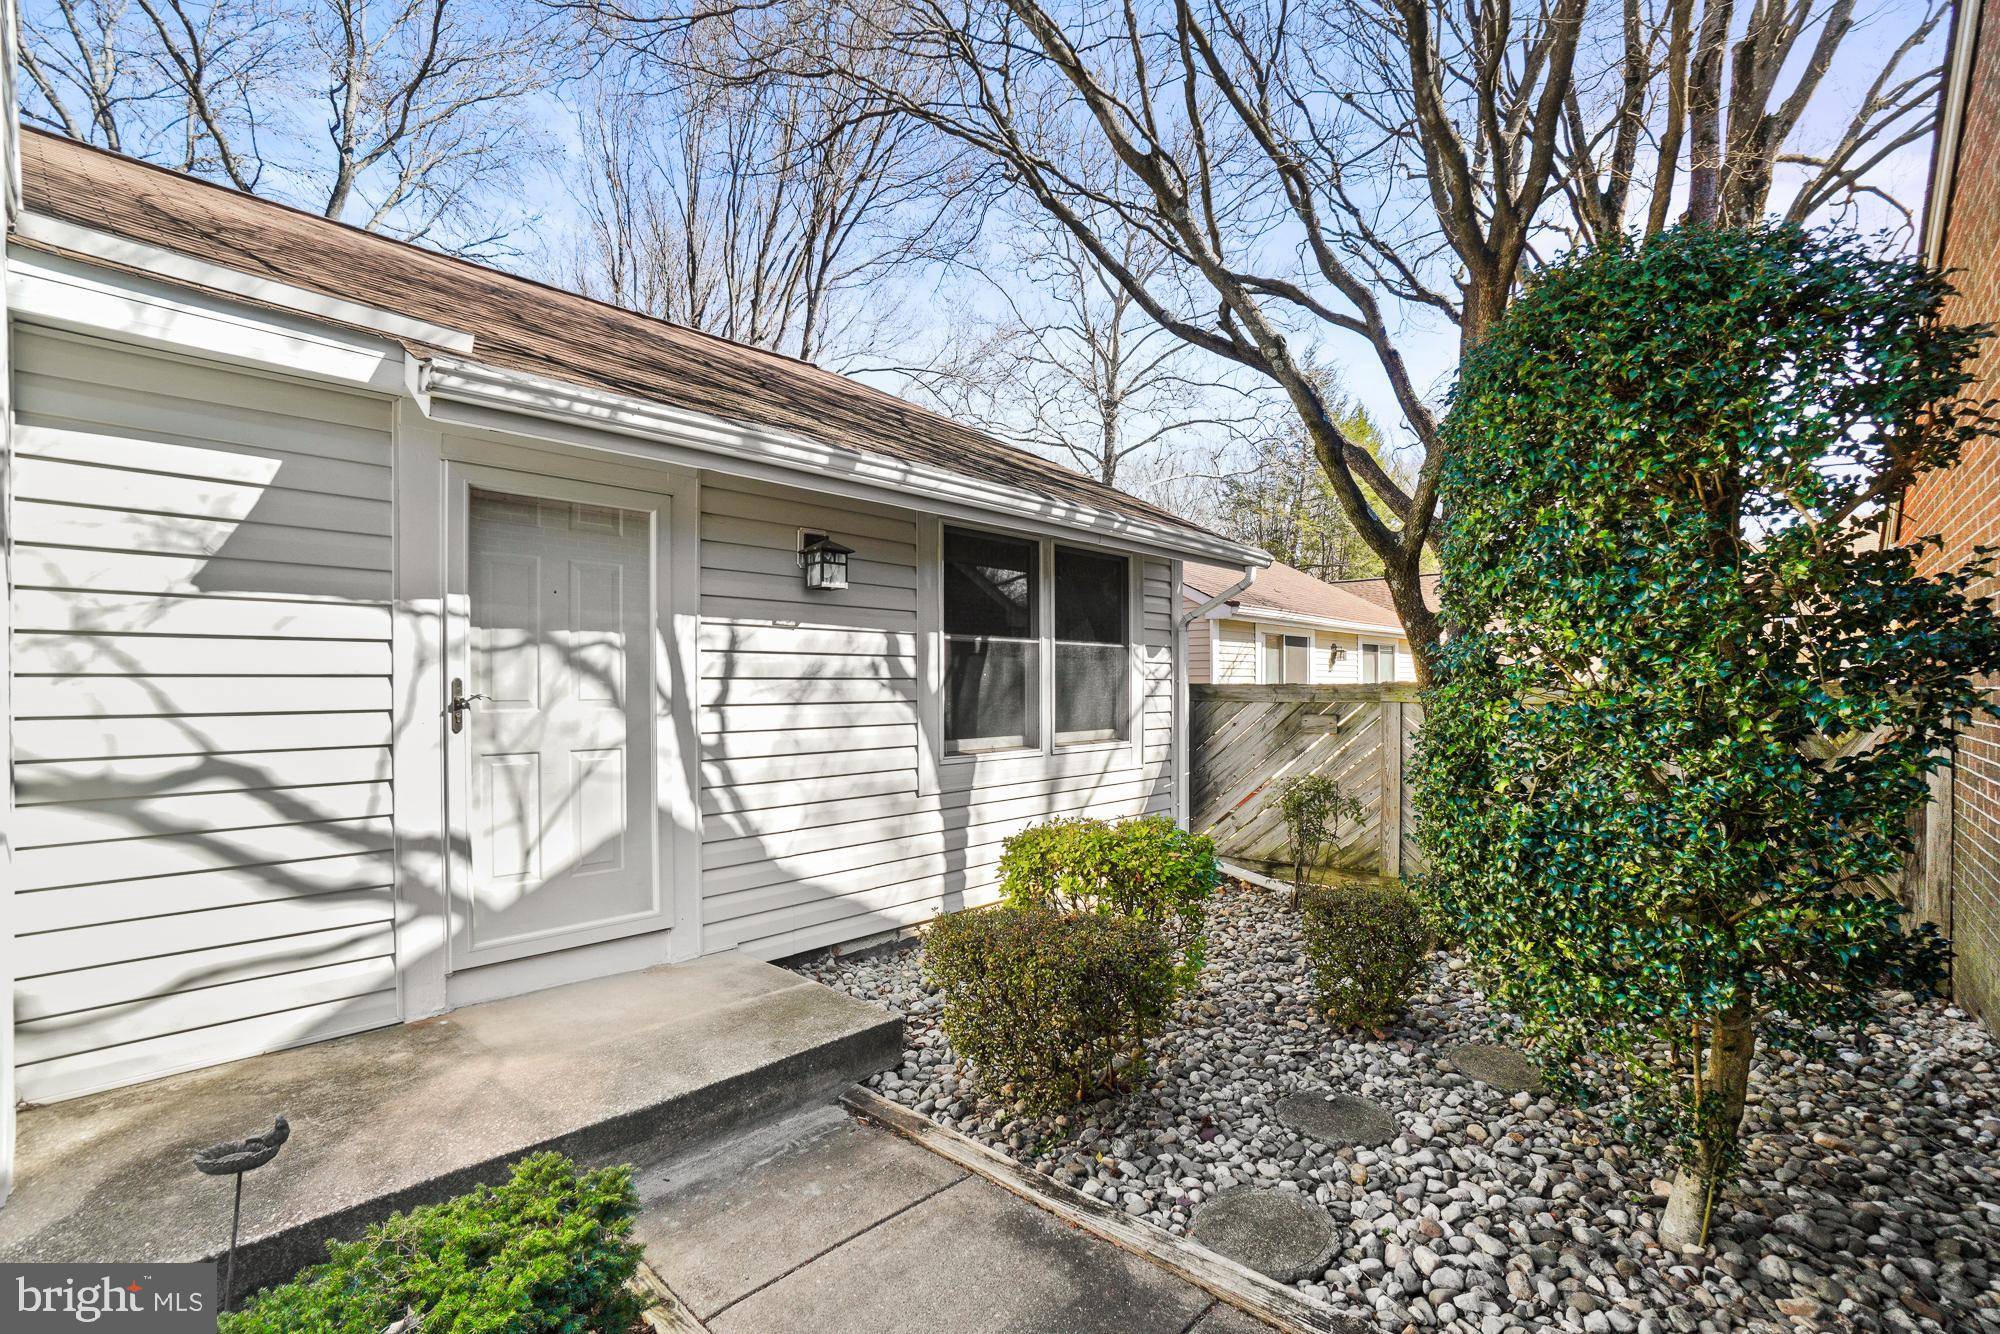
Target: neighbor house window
{"points": [[1287, 660], [1378, 663], [1033, 628], [992, 642], [1093, 659]]}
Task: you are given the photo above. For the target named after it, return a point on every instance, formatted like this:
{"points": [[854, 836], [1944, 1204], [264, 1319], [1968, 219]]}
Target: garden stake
{"points": [[234, 1159]]}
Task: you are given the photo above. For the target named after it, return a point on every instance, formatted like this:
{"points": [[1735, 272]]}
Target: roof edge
{"points": [[91, 243], [525, 393]]}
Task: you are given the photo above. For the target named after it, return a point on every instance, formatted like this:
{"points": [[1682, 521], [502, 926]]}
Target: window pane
{"points": [[1090, 692], [1298, 660], [1090, 597], [992, 695], [1371, 665], [989, 585], [1274, 660]]}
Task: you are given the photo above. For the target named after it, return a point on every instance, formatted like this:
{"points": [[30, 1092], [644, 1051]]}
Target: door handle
{"points": [[460, 702]]}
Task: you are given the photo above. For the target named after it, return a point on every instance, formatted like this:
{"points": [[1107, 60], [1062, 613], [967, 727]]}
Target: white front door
{"points": [[558, 767]]}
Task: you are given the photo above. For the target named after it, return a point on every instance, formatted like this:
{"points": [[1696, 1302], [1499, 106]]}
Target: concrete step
{"points": [[636, 1067]]}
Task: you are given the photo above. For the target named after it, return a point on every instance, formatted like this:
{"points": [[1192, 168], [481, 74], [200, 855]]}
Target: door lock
{"points": [[460, 702]]}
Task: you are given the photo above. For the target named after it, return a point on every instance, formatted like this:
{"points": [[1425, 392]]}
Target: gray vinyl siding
{"points": [[1200, 657], [1234, 653], [816, 829], [202, 693]]}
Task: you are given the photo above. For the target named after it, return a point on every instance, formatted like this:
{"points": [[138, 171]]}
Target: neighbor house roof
{"points": [[521, 325], [1377, 590], [1289, 592]]}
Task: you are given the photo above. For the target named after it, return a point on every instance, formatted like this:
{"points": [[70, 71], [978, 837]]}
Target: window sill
{"points": [[1011, 753]]}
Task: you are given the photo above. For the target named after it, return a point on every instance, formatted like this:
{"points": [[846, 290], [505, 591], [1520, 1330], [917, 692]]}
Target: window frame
{"points": [[1268, 630], [932, 638], [1380, 647]]}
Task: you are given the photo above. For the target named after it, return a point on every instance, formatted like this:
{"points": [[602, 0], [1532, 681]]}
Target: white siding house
{"points": [[388, 634], [1288, 628]]}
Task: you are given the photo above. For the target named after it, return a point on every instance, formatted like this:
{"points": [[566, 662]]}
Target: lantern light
{"points": [[824, 560]]}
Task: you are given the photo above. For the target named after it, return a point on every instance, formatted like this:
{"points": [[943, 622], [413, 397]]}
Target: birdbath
{"points": [[233, 1160]]}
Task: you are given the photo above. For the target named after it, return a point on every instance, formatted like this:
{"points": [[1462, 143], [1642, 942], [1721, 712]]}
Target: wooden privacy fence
{"points": [[1245, 740]]}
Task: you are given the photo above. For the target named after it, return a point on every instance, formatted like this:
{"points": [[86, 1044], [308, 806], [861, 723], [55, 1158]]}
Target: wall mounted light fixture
{"points": [[823, 559]]}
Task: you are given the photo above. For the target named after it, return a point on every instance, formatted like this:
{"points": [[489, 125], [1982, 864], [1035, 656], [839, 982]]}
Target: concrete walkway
{"points": [[628, 1068], [829, 1224]]}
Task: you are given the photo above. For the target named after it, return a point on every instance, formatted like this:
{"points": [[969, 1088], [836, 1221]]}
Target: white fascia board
{"points": [[59, 292], [148, 258], [1300, 620], [773, 455]]}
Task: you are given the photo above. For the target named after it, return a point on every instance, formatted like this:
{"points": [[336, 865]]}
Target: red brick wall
{"points": [[1963, 507]]}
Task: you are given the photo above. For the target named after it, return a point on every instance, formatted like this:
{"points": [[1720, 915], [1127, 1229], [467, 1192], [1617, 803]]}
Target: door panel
{"points": [[560, 751]]}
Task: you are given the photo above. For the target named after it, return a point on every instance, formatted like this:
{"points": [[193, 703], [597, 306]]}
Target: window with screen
{"points": [[1378, 663], [1092, 653], [1287, 660], [992, 642]]}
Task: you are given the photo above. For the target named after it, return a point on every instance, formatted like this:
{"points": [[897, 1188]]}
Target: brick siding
{"points": [[1962, 506]]}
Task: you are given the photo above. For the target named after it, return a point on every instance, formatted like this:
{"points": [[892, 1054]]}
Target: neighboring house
{"points": [[390, 633], [1962, 505], [1288, 628]]}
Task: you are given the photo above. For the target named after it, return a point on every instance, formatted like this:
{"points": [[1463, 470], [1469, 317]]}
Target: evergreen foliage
{"points": [[1147, 867], [546, 1252], [1365, 945], [1691, 708], [1051, 1008]]}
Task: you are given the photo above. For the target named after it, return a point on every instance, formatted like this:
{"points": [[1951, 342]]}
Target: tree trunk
{"points": [[1420, 623], [1725, 1086]]}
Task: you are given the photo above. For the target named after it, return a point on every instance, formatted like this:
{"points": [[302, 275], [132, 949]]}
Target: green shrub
{"points": [[544, 1253], [1364, 946], [1050, 1007], [1148, 868], [1313, 806], [1638, 786]]}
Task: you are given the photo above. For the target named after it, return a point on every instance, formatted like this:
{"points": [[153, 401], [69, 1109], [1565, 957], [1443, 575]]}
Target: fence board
{"points": [[1245, 740]]}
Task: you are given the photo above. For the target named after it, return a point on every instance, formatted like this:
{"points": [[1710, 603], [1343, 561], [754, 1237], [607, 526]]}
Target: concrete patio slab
{"points": [[971, 1257], [1220, 1319], [728, 1222], [827, 1222], [634, 1067]]}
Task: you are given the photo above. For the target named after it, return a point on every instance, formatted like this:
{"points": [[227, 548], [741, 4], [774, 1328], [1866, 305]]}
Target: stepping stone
{"points": [[1336, 1119], [1492, 1063], [1276, 1232]]}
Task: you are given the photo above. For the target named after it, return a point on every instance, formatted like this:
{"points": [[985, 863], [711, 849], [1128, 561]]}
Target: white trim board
{"points": [[68, 295], [123, 250]]}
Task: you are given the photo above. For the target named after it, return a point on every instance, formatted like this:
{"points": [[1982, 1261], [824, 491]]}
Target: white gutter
{"points": [[831, 468], [1304, 620], [1951, 124], [1249, 578]]}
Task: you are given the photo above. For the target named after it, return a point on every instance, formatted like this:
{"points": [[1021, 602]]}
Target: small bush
{"points": [[1364, 945], [1050, 1007], [1148, 868], [1314, 806], [545, 1253]]}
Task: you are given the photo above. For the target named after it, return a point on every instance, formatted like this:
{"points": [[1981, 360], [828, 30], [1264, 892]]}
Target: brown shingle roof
{"points": [[523, 325], [1377, 590], [1281, 588]]}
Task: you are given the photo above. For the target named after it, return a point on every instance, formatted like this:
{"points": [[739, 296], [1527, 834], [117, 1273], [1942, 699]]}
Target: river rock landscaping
{"points": [[1870, 1199]]}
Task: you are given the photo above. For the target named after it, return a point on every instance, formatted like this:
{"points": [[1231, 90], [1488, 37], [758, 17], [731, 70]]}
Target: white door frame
{"points": [[675, 561]]}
